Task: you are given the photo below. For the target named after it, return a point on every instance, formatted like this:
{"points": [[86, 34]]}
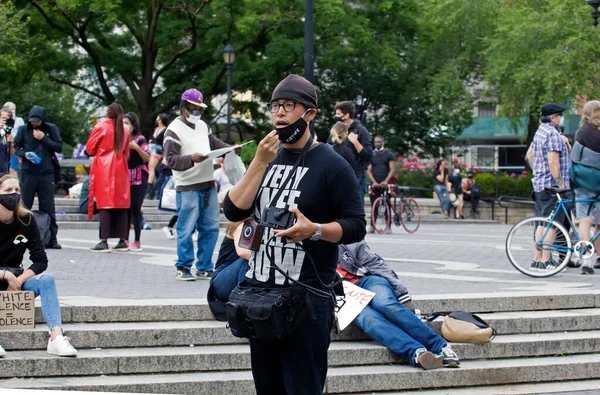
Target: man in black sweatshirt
{"points": [[323, 194], [37, 143]]}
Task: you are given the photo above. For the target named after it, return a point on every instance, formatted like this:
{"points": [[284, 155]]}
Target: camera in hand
{"points": [[277, 218], [8, 127], [252, 233]]}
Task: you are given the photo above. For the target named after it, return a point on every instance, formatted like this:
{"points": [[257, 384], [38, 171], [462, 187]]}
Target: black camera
{"points": [[252, 233], [278, 218], [8, 127]]}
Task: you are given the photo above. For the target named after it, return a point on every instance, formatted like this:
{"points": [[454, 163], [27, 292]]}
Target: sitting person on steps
{"points": [[389, 317], [19, 232], [230, 270]]}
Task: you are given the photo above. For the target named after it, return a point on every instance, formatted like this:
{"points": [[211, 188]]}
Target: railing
{"points": [[505, 201]]}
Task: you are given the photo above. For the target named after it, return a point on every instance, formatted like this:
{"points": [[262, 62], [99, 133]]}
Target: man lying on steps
{"points": [[389, 318]]}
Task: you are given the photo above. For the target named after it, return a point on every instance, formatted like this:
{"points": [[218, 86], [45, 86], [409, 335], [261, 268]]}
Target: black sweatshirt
{"points": [[20, 235], [325, 189]]}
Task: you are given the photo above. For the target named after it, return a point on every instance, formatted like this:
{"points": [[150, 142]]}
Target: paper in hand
{"points": [[222, 151]]}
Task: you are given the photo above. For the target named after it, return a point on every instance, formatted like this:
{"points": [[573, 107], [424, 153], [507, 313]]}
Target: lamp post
{"points": [[309, 46], [595, 14], [228, 57]]}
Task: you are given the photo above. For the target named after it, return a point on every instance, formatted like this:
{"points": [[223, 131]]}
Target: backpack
{"points": [[43, 220], [585, 168]]}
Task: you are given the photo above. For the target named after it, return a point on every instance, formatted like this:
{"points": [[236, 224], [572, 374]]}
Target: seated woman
{"points": [[388, 319], [19, 232], [230, 270]]}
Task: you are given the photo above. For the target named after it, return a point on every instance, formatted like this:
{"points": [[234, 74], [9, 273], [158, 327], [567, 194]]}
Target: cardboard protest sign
{"points": [[17, 310], [356, 300]]}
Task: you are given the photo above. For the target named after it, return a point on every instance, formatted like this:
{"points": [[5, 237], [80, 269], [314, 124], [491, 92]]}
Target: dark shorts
{"points": [[544, 203]]}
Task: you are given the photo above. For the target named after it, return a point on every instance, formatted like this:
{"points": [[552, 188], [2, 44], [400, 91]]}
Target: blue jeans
{"points": [[296, 365], [442, 193], [43, 285], [227, 276], [392, 324], [197, 210], [362, 182]]}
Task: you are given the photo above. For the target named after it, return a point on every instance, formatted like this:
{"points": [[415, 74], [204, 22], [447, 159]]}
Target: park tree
{"points": [[542, 51]]}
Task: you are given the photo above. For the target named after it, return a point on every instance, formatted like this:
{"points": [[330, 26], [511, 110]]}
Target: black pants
{"points": [[114, 223], [474, 199], [137, 193], [173, 221], [296, 365], [43, 186]]}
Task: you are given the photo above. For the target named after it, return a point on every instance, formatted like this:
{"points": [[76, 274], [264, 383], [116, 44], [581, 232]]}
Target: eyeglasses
{"points": [[275, 106], [193, 111]]}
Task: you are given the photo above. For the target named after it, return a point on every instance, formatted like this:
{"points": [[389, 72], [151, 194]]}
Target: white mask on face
{"points": [[193, 118], [127, 127]]}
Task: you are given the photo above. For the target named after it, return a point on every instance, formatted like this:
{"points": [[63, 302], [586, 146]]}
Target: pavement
{"points": [[439, 259]]}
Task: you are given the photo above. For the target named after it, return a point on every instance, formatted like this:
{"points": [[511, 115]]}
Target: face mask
{"points": [[193, 118], [380, 149], [293, 132], [127, 127], [338, 119], [561, 122], [10, 201]]}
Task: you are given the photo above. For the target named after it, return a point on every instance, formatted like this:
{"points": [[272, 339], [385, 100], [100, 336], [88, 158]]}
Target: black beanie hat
{"points": [[296, 88]]}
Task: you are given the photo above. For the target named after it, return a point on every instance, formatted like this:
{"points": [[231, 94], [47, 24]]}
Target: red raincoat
{"points": [[109, 174]]}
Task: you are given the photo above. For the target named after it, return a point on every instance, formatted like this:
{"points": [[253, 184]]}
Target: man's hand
{"points": [[2, 123], [197, 158], [10, 138], [302, 229], [29, 159], [38, 134], [267, 148], [353, 137], [383, 185], [14, 284]]}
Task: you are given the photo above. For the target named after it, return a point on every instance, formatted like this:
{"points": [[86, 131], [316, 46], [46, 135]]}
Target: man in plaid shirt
{"points": [[548, 156]]}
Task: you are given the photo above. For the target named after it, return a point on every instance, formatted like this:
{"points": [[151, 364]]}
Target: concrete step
{"points": [[61, 201], [183, 333], [579, 387], [185, 358], [340, 380], [98, 310], [165, 217], [75, 210], [93, 225]]}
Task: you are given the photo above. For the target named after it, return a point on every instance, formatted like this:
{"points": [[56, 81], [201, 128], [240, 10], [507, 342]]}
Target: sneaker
{"points": [[100, 247], [146, 225], [538, 265], [597, 264], [62, 347], [169, 233], [551, 265], [184, 275], [370, 229], [54, 246], [428, 360], [388, 231], [135, 246], [2, 352], [450, 359], [587, 270], [121, 247], [204, 274]]}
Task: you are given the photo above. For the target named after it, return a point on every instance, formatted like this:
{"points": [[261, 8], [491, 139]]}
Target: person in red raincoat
{"points": [[109, 178]]}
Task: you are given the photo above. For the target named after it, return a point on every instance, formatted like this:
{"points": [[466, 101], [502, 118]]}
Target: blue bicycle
{"points": [[542, 247]]}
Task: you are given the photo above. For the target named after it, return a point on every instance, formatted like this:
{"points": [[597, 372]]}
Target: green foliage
{"points": [[248, 152], [507, 185]]}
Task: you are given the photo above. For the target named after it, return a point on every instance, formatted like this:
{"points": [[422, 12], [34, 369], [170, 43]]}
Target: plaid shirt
{"points": [[547, 139]]}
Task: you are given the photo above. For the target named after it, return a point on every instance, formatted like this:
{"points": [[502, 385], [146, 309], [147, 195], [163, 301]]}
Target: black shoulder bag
{"points": [[270, 314]]}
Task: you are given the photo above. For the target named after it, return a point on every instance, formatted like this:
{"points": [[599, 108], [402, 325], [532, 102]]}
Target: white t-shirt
{"points": [[222, 180]]}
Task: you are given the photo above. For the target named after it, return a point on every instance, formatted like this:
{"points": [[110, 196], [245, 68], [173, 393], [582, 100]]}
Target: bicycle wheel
{"points": [[531, 257], [380, 216], [410, 215]]}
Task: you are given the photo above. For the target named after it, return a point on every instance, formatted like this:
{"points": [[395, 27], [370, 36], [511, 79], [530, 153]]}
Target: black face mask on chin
{"points": [[292, 133]]}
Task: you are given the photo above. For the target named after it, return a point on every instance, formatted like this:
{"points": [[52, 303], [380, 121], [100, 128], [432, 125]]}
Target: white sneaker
{"points": [[61, 347], [2, 352], [169, 233]]}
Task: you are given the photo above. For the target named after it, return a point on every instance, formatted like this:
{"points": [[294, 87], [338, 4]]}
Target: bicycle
{"points": [[529, 256], [409, 215]]}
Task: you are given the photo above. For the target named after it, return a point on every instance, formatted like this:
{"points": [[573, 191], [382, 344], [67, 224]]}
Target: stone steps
{"points": [[184, 333], [158, 359], [340, 379], [144, 346]]}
